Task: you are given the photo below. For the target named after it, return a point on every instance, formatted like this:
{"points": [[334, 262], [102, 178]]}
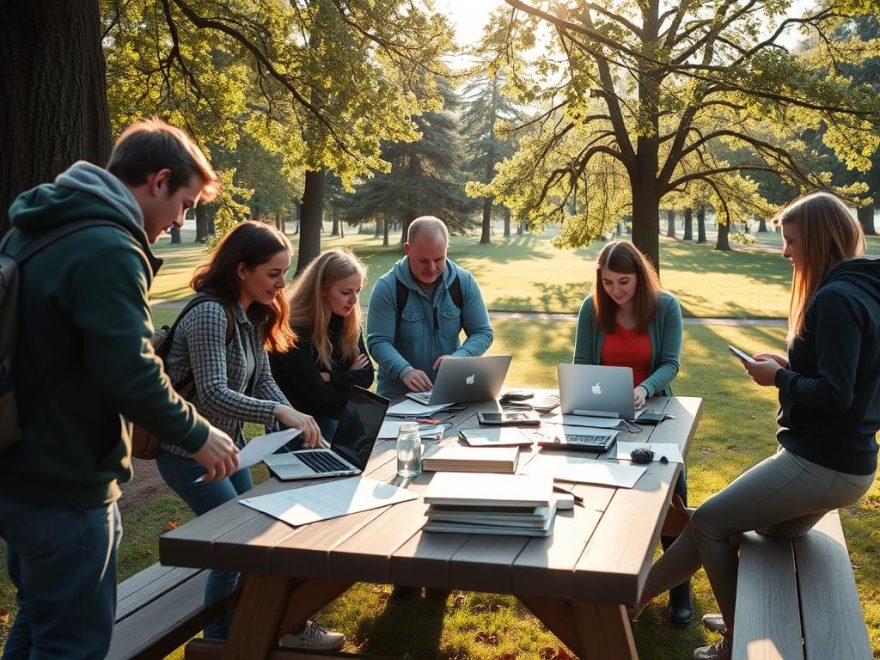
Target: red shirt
{"points": [[628, 348]]}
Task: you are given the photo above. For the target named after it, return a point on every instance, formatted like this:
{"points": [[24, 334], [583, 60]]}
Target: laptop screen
{"points": [[359, 426]]}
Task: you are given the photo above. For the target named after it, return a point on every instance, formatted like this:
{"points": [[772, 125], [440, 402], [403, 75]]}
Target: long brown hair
{"points": [[624, 257], [828, 236], [251, 244], [309, 309]]}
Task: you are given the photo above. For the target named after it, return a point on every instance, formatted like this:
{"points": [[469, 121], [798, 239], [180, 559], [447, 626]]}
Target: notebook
{"points": [[466, 379], [350, 448], [596, 391], [455, 458]]}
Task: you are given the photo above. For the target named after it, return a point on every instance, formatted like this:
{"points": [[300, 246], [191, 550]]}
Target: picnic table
{"points": [[576, 581]]}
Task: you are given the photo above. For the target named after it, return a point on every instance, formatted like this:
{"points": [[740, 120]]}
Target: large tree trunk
{"points": [[175, 235], [335, 230], [670, 224], [506, 222], [54, 107], [487, 220], [385, 233], [762, 226], [201, 223], [520, 228], [688, 225], [646, 209], [378, 228], [866, 219], [701, 224], [722, 242], [311, 223]]}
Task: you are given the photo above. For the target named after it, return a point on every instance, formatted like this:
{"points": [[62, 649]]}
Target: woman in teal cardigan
{"points": [[629, 321]]}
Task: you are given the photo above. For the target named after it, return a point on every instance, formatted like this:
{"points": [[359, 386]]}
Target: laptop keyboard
{"points": [[322, 462], [586, 440]]}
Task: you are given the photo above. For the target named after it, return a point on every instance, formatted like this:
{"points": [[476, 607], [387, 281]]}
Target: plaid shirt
{"points": [[219, 370]]}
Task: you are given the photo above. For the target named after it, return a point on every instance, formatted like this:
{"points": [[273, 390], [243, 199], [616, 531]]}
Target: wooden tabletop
{"points": [[598, 553]]}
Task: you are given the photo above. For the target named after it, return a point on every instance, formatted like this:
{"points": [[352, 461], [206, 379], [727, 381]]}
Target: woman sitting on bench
{"points": [[829, 410]]}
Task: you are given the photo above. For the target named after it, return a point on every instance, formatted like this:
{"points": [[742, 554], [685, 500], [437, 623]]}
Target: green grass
{"points": [[526, 273]]}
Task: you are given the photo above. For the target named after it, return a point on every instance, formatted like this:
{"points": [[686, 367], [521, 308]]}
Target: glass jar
{"points": [[409, 450]]}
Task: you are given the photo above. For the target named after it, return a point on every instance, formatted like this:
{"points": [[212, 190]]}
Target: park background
{"points": [[537, 131]]}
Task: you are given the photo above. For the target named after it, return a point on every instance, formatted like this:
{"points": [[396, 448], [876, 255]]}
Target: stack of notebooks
{"points": [[510, 504], [455, 458]]}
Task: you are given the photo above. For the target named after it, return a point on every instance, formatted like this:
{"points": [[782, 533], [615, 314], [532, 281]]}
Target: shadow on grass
{"points": [[411, 626]]}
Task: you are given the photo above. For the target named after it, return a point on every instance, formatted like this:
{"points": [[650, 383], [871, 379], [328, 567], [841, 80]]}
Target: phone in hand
{"points": [[741, 354]]}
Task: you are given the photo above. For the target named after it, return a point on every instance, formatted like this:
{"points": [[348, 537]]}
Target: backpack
{"points": [[145, 445], [403, 295], [11, 418]]}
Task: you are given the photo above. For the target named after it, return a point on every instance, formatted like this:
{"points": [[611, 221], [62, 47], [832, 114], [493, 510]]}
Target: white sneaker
{"points": [[714, 622], [313, 636], [718, 651]]}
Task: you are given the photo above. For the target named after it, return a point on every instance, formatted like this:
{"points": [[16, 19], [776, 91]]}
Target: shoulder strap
{"points": [[49, 236], [199, 298], [456, 294]]}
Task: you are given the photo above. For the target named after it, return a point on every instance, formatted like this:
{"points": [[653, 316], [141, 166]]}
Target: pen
{"points": [[577, 498]]}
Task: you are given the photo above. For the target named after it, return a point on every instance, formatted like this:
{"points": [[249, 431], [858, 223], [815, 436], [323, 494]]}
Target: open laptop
{"points": [[596, 391], [574, 438], [350, 448], [466, 379]]}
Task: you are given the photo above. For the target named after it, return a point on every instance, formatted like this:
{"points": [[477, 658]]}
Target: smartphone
{"points": [[740, 354]]}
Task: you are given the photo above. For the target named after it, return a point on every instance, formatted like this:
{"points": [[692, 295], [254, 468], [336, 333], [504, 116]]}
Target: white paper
{"points": [[582, 470], [409, 408], [581, 420], [391, 428], [670, 450], [261, 446], [331, 499]]}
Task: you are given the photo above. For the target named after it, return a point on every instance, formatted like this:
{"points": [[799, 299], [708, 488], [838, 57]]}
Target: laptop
{"points": [[350, 448], [577, 439], [466, 379], [596, 391]]}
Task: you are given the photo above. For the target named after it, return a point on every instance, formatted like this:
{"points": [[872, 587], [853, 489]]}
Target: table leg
{"points": [[259, 611], [306, 598]]}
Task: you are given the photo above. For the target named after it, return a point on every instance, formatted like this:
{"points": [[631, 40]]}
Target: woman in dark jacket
{"points": [[330, 356]]}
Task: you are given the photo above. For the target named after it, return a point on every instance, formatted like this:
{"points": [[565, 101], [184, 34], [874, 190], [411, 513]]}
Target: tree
{"points": [[53, 111], [653, 88], [425, 177]]}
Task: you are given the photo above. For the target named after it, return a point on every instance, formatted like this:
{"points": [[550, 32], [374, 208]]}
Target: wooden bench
{"points": [[159, 609], [797, 598]]}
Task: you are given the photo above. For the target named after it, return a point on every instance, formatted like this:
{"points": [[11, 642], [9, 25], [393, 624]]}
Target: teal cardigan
{"points": [[664, 332]]}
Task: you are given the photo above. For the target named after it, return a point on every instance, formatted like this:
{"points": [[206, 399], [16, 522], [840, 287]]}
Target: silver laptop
{"points": [[596, 391], [350, 448], [466, 379]]}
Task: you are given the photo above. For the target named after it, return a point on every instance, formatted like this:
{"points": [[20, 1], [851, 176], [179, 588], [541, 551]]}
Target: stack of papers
{"points": [[584, 470], [390, 429], [455, 458], [409, 408], [513, 504], [496, 437]]}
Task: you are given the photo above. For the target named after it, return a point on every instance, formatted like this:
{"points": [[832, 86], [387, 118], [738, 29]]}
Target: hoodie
{"points": [[829, 396], [84, 357], [428, 328]]}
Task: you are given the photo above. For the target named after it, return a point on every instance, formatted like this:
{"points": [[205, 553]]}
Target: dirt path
{"points": [[146, 486]]}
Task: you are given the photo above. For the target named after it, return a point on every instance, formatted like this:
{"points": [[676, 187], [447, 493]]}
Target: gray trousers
{"points": [[784, 495]]}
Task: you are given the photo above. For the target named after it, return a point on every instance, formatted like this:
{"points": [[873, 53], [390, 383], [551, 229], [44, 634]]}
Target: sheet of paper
{"points": [[331, 499], [497, 437], [409, 408], [670, 450], [261, 446], [390, 429], [579, 420], [584, 470]]}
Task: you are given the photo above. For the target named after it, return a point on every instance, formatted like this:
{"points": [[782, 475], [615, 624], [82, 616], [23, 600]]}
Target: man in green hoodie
{"points": [[84, 361]]}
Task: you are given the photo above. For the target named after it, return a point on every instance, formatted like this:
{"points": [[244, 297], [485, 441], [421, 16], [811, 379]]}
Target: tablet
{"points": [[741, 355]]}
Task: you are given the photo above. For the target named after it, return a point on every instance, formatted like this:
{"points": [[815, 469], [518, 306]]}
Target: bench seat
{"points": [[797, 598]]}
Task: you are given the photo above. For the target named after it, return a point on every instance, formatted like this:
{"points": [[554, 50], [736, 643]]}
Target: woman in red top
{"points": [[629, 321]]}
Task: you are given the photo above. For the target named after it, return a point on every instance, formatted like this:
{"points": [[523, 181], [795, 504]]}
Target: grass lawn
{"points": [[736, 431], [526, 273]]}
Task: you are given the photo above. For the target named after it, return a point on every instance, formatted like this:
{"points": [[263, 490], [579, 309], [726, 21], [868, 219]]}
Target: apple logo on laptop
{"points": [[470, 379], [597, 389]]}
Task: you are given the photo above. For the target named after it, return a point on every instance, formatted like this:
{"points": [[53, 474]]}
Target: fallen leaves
{"points": [[172, 524], [558, 653]]}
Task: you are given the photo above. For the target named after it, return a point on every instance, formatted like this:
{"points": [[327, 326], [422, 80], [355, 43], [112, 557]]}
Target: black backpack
{"points": [[11, 419]]}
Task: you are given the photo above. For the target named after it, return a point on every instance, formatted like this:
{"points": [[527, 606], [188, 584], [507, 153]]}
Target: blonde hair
{"points": [[309, 309], [625, 258], [828, 236]]}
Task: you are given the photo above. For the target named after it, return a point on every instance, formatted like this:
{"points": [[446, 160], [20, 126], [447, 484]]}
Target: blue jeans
{"points": [[63, 566], [180, 473]]}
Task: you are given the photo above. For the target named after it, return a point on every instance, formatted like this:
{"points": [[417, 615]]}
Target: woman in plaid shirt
{"points": [[222, 343]]}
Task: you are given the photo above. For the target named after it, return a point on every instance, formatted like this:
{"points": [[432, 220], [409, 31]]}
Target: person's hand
{"points": [[293, 418], [362, 361], [763, 372], [439, 360], [640, 394], [325, 376], [219, 456], [417, 381], [778, 359]]}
